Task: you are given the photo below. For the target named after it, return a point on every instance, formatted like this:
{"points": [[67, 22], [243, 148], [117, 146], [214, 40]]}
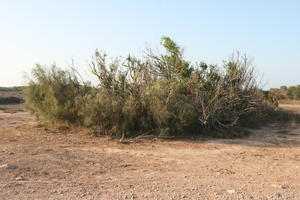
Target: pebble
{"points": [[20, 178], [278, 195], [8, 166], [231, 191], [279, 186]]}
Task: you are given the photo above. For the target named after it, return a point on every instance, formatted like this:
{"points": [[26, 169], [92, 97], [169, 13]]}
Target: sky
{"points": [[62, 31]]}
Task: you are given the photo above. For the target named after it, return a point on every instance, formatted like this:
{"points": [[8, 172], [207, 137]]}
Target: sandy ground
{"points": [[41, 164]]}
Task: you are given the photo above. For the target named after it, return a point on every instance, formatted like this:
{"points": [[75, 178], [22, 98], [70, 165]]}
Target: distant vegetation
{"points": [[164, 95], [11, 89], [293, 93], [11, 95], [284, 94]]}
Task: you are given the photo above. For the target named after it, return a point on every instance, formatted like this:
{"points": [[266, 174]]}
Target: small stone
{"points": [[284, 187], [276, 186], [278, 195], [20, 178], [8, 166], [230, 191], [3, 166], [125, 165]]}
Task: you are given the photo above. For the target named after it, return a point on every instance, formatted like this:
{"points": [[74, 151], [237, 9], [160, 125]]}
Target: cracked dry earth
{"points": [[43, 164]]}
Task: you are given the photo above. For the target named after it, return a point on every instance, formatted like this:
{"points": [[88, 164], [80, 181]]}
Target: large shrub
{"points": [[160, 94]]}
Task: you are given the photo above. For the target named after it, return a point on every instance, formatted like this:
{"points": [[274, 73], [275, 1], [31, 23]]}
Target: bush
{"points": [[293, 93], [52, 95], [160, 94], [10, 100], [11, 95]]}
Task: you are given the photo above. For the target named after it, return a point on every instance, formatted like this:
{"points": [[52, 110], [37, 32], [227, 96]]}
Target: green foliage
{"points": [[294, 92], [10, 100], [52, 95], [160, 94]]}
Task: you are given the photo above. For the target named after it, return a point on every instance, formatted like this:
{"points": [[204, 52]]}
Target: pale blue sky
{"points": [[47, 31]]}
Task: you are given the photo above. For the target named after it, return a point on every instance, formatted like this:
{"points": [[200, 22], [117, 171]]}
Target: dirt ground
{"points": [[36, 163]]}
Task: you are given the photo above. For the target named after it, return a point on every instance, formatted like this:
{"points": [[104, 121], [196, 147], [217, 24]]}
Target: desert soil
{"points": [[36, 163]]}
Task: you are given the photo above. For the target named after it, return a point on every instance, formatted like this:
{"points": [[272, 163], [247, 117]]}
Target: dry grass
{"points": [[289, 101]]}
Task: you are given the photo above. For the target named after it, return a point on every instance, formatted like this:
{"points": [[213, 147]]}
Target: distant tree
{"points": [[294, 92]]}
